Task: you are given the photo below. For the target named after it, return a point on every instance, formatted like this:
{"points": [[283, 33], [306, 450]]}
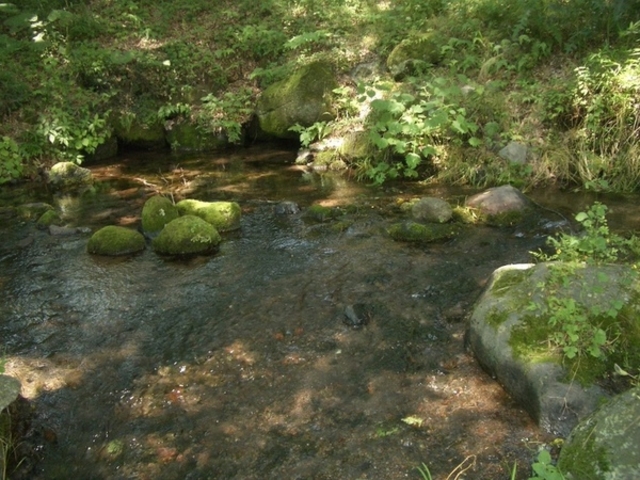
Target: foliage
{"points": [[308, 135], [226, 114], [543, 469], [10, 163]]}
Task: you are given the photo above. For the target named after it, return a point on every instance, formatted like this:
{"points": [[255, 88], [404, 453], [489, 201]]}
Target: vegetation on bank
{"points": [[560, 77]]}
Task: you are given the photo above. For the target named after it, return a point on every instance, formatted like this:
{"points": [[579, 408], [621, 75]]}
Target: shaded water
{"points": [[241, 365]]}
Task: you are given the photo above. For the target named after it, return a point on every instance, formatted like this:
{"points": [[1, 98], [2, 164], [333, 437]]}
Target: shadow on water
{"points": [[241, 366]]}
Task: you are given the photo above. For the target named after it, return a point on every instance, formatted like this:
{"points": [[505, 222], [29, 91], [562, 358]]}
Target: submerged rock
{"points": [[187, 235], [420, 233], [287, 208], [224, 216], [156, 213], [606, 445], [113, 240], [67, 176]]}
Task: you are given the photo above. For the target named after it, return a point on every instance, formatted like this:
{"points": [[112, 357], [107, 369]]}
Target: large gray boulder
{"points": [[304, 98], [509, 337], [606, 445]]}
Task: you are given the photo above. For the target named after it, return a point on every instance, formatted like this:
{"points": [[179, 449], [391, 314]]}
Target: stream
{"points": [[245, 365]]}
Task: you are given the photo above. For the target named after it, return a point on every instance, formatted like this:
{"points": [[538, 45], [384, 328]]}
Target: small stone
{"points": [[431, 209]]}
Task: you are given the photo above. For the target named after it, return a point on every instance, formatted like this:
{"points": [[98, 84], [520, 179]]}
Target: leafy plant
{"points": [[226, 114], [308, 135], [544, 469], [10, 162]]}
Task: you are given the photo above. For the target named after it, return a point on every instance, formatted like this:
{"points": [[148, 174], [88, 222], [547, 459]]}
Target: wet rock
{"points": [[136, 134], [58, 231], [508, 337], [187, 235], [224, 216], [430, 209], [67, 177], [156, 213], [48, 218], [356, 316], [184, 136], [420, 233], [320, 213], [606, 445], [287, 208], [9, 391], [515, 153], [31, 211], [303, 99], [500, 201], [113, 241]]}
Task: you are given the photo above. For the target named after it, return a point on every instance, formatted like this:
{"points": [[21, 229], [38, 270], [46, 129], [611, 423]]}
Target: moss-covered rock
{"points": [[422, 233], [187, 137], [304, 98], [416, 53], [113, 240], [187, 235], [356, 146], [224, 216], [320, 213], [50, 217], [67, 176], [606, 445], [136, 134], [156, 213], [524, 306], [32, 211]]}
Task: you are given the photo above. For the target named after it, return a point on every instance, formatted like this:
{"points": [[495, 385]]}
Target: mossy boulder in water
{"points": [[224, 216], [67, 176], [606, 445], [521, 310], [113, 240], [422, 233], [187, 235], [304, 98], [156, 213], [187, 137], [50, 217]]}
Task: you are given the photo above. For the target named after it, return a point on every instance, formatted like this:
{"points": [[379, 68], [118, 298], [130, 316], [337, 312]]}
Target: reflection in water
{"points": [[241, 366]]}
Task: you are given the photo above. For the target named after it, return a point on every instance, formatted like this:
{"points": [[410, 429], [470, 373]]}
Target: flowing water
{"points": [[246, 365]]}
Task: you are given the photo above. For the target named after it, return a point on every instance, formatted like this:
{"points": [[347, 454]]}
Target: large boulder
{"points": [[156, 213], [113, 240], [184, 136], [500, 200], [187, 235], [224, 216], [304, 98], [606, 445], [69, 177], [509, 334]]}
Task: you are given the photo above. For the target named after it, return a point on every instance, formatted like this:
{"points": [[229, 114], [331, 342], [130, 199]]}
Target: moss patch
{"points": [[320, 213], [421, 233], [157, 212], [113, 240], [187, 235], [224, 216]]}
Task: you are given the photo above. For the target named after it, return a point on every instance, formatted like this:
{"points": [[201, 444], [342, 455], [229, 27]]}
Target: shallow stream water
{"points": [[244, 365]]}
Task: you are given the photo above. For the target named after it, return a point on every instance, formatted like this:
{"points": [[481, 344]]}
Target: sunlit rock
{"points": [[224, 216], [431, 209], [156, 213], [67, 176], [187, 235], [606, 445], [500, 200], [509, 335], [113, 240], [304, 99]]}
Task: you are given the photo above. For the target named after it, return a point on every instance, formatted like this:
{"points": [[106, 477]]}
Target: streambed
{"points": [[244, 365]]}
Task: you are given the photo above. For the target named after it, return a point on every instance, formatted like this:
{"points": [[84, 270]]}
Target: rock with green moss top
{"points": [[512, 324], [69, 177], [606, 445], [113, 241], [9, 391], [187, 137], [137, 134], [32, 211], [156, 213], [224, 216], [187, 235], [304, 99], [50, 217], [422, 233], [356, 146], [320, 213], [415, 54]]}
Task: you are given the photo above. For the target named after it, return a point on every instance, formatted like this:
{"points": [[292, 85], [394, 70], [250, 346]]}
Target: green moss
{"points": [[187, 137], [508, 279], [506, 219], [224, 216], [466, 215], [320, 213], [356, 146], [187, 235], [583, 459], [421, 233], [50, 217], [113, 240], [31, 211], [157, 212]]}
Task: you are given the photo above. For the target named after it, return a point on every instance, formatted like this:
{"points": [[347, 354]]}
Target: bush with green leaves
{"points": [[226, 114], [10, 160]]}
